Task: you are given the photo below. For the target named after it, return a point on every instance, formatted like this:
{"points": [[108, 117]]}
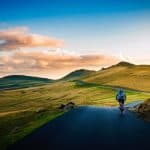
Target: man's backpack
{"points": [[121, 96]]}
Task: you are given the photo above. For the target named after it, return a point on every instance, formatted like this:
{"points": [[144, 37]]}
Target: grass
{"points": [[24, 110], [17, 125], [132, 77]]}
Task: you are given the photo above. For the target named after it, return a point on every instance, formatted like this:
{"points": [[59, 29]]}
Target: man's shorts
{"points": [[121, 101]]}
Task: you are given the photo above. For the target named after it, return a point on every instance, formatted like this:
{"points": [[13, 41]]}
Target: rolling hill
{"points": [[123, 74], [78, 74], [21, 81]]}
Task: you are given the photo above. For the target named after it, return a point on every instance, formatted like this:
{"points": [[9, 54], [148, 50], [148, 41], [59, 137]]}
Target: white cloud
{"points": [[16, 38]]}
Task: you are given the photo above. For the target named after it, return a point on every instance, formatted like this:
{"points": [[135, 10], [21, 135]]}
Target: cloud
{"points": [[53, 65], [16, 38]]}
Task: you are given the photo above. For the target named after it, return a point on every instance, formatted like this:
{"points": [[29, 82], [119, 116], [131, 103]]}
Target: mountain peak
{"points": [[77, 74], [124, 63]]}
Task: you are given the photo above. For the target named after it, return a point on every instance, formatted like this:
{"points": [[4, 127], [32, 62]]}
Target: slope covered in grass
{"points": [[23, 110], [21, 81], [123, 75], [77, 74]]}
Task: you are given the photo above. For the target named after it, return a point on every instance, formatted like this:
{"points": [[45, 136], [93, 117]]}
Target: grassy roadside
{"points": [[24, 110], [17, 125]]}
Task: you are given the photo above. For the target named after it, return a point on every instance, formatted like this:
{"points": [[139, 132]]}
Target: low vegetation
{"points": [[14, 126]]}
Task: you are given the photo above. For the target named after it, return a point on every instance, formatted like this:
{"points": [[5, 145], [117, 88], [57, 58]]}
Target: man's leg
{"points": [[121, 106]]}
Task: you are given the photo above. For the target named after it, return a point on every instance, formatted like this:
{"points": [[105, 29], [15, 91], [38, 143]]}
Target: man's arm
{"points": [[125, 97], [116, 97]]}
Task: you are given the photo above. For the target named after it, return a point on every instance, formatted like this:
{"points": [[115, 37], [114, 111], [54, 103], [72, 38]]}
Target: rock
{"points": [[68, 106], [41, 109], [144, 110], [62, 107]]}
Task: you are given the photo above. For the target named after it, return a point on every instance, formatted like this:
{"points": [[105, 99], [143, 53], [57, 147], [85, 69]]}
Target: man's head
{"points": [[120, 91]]}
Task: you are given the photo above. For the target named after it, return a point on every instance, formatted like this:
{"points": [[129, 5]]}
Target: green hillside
{"points": [[124, 74], [78, 74], [24, 110], [21, 81]]}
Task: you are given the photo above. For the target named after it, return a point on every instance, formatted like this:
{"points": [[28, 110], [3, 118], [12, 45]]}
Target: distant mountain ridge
{"points": [[18, 77], [22, 81], [124, 63], [123, 74]]}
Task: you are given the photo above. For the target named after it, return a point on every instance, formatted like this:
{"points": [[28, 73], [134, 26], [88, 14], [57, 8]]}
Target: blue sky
{"points": [[79, 20], [120, 28]]}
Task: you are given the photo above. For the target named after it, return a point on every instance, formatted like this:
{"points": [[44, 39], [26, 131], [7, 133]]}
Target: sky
{"points": [[50, 38]]}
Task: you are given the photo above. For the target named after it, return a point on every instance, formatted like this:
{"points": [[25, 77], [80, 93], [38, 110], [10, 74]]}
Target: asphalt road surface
{"points": [[90, 128]]}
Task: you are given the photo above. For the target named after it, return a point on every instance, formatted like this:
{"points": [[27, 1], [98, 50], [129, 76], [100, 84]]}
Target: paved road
{"points": [[90, 128]]}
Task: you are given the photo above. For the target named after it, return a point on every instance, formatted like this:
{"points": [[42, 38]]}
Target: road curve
{"points": [[90, 128]]}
